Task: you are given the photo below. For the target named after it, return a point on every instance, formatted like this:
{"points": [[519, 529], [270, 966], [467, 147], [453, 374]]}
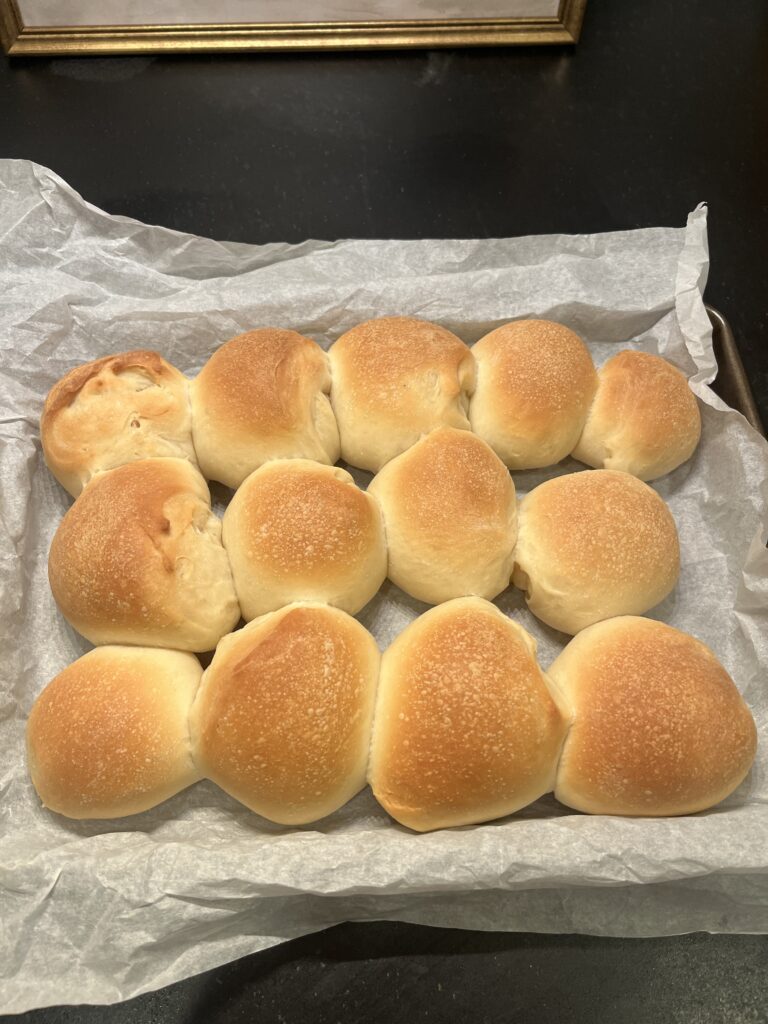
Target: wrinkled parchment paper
{"points": [[98, 912]]}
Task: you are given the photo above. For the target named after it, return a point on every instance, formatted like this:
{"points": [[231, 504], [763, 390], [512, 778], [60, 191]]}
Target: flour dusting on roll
{"points": [[535, 383], [395, 379], [467, 728], [109, 736], [659, 727]]}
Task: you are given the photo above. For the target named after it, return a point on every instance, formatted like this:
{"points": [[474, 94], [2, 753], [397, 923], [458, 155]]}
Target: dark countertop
{"points": [[660, 106]]}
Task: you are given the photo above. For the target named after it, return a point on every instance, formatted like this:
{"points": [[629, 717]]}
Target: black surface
{"points": [[661, 105]]}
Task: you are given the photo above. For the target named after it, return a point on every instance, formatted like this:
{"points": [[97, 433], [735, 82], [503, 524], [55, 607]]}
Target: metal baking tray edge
{"points": [[731, 383]]}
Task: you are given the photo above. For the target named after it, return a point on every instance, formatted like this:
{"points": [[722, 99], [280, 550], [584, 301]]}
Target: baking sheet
{"points": [[98, 912]]}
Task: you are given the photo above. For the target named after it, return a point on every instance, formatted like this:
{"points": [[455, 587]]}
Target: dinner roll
{"points": [[395, 379], [592, 545], [466, 727], [296, 530], [115, 410], [263, 395], [109, 735], [138, 559], [451, 517], [535, 382], [659, 727], [282, 720], [644, 419]]}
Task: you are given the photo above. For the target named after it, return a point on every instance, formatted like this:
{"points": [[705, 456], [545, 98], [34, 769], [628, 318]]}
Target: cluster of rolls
{"points": [[282, 718]]}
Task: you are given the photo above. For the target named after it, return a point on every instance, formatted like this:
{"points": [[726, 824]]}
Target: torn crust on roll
{"points": [[395, 379], [138, 559], [115, 410], [467, 728], [282, 719], [659, 727], [262, 395]]}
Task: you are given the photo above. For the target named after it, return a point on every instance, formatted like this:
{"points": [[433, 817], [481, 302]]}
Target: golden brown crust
{"points": [[644, 419], [451, 516], [659, 726], [297, 530], [114, 410], [535, 383], [282, 718], [108, 736], [263, 395], [592, 545], [466, 729], [394, 379], [138, 559]]}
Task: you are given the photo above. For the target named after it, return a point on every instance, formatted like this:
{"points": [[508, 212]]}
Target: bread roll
{"points": [[535, 382], [261, 396], [451, 517], [593, 545], [115, 410], [466, 728], [138, 559], [109, 736], [395, 379], [296, 530], [282, 720], [659, 727], [644, 419]]}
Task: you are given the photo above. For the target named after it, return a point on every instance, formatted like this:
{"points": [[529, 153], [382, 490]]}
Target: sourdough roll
{"points": [[659, 727], [466, 727], [109, 735], [593, 545], [112, 411], [395, 379], [535, 383], [263, 395], [282, 720], [451, 517], [644, 419], [138, 559], [296, 530]]}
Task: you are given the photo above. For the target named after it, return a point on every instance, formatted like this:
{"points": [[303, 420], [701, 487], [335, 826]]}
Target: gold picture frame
{"points": [[19, 39]]}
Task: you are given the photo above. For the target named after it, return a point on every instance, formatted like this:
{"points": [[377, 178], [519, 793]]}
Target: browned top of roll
{"points": [[282, 719], [108, 736], [263, 380], [659, 727], [601, 524]]}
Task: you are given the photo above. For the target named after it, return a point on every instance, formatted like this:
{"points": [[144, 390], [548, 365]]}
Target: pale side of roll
{"points": [[112, 411], [451, 517], [109, 736], [467, 728], [395, 379], [644, 419], [282, 720], [262, 395], [659, 727], [593, 545], [300, 531], [535, 383], [138, 559]]}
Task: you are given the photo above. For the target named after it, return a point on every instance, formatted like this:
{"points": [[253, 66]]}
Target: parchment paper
{"points": [[98, 912]]}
